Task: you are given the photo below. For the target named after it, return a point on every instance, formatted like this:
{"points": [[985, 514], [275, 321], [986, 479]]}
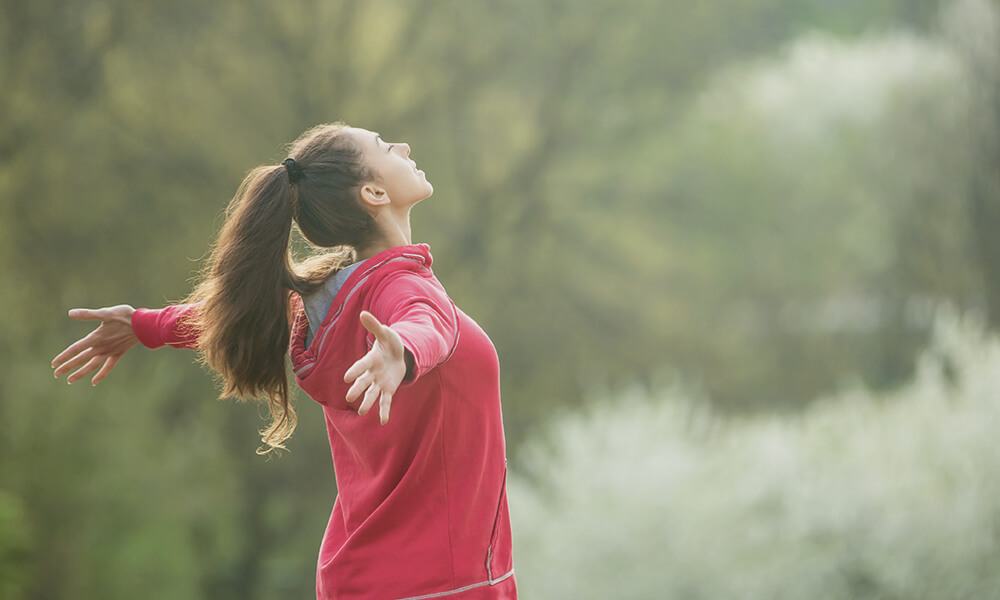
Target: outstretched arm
{"points": [[102, 348], [121, 328]]}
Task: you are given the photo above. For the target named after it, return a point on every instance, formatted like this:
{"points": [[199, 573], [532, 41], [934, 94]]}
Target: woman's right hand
{"points": [[378, 374], [102, 348]]}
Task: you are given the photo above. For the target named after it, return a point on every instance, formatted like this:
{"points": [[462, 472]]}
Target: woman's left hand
{"points": [[378, 373], [102, 348]]}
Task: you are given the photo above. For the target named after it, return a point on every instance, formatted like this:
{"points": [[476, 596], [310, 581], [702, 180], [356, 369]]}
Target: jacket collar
{"points": [[421, 252]]}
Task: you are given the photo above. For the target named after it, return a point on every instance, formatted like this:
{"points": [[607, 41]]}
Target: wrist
{"points": [[123, 314], [411, 365]]}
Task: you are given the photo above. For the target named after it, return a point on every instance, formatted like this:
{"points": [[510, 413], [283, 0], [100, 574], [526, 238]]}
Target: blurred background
{"points": [[740, 259]]}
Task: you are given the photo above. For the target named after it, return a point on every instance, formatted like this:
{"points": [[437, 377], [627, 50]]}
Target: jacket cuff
{"points": [[145, 327]]}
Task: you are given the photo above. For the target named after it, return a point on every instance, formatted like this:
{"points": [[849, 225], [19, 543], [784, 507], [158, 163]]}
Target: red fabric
{"points": [[164, 327], [422, 503]]}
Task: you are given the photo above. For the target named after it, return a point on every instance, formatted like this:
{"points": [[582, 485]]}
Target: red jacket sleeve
{"points": [[165, 326], [419, 310]]}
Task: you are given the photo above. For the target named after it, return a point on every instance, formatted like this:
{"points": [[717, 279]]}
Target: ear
{"points": [[374, 195]]}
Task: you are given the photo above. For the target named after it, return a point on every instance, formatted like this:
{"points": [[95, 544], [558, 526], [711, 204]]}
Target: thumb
{"points": [[86, 314], [371, 323]]}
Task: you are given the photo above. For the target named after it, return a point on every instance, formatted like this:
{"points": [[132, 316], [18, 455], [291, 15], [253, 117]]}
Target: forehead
{"points": [[364, 136]]}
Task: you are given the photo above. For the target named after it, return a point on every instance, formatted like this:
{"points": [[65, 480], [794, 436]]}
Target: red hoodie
{"points": [[421, 510]]}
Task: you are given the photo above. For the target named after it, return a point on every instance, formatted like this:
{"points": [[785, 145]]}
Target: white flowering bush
{"points": [[865, 495]]}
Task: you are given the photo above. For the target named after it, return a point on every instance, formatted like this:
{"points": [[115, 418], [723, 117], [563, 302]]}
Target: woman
{"points": [[421, 510]]}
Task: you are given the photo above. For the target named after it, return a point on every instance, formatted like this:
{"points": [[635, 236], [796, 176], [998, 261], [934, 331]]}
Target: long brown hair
{"points": [[245, 288]]}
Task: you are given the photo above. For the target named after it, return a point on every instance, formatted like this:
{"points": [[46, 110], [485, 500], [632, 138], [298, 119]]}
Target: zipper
{"points": [[496, 525]]}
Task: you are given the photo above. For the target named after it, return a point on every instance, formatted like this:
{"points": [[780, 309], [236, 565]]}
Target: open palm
{"points": [[102, 348], [378, 373]]}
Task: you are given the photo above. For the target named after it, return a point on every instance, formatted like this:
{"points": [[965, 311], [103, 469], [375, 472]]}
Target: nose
{"points": [[406, 149]]}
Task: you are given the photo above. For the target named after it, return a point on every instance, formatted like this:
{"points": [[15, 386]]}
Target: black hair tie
{"points": [[295, 173]]}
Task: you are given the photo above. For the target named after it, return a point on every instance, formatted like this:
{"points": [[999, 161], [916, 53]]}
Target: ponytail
{"points": [[245, 288], [244, 293]]}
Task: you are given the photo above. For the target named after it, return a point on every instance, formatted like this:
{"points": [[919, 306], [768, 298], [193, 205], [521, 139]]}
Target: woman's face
{"points": [[397, 174]]}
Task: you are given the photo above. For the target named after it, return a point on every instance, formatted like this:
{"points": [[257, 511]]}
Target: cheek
{"points": [[400, 179], [405, 173]]}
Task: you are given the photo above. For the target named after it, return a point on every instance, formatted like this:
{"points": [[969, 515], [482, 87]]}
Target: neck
{"points": [[393, 231]]}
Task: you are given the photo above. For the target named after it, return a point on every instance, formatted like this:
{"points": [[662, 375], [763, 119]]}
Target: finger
{"points": [[105, 369], [80, 373], [88, 314], [359, 386], [371, 323], [370, 396], [74, 362], [383, 333], [383, 407], [74, 349], [363, 364]]}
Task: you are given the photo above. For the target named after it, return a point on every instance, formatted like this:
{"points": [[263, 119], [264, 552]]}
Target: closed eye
{"points": [[378, 139]]}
